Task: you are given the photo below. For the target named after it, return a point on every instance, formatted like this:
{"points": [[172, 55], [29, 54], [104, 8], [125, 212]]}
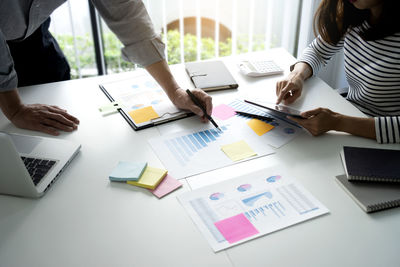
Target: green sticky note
{"points": [[127, 171], [110, 108]]}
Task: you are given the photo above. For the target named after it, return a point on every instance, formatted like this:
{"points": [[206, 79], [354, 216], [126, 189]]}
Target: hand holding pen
{"points": [[198, 103]]}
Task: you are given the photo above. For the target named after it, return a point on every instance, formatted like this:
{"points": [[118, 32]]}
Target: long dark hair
{"points": [[334, 17]]}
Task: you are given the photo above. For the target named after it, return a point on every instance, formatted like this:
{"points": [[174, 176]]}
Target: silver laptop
{"points": [[29, 164]]}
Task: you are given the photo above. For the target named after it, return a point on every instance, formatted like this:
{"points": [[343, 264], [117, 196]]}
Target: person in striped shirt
{"points": [[369, 33]]}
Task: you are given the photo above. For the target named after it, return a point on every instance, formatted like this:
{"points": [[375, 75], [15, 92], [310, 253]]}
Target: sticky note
{"points": [[110, 108], [236, 228], [150, 178], [127, 171], [223, 112], [259, 127], [167, 185], [143, 114], [238, 150]]}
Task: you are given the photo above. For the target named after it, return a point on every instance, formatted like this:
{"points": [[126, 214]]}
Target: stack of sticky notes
{"points": [[150, 178], [140, 174], [127, 171]]}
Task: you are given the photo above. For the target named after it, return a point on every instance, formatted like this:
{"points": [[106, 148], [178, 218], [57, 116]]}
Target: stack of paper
{"points": [[140, 174]]}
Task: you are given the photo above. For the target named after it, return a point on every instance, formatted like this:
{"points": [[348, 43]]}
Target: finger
{"points": [[57, 107], [57, 125], [278, 88], [293, 96], [209, 105], [310, 113], [205, 99], [283, 93], [60, 118], [47, 129], [196, 110], [63, 112]]}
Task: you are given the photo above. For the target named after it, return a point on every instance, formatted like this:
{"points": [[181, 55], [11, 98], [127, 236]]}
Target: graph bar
{"points": [[214, 132], [208, 133], [189, 144], [208, 217], [271, 207], [204, 136], [175, 153], [184, 146], [175, 144], [199, 139], [194, 141]]}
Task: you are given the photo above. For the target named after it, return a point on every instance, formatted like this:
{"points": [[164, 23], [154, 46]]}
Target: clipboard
{"points": [[140, 92]]}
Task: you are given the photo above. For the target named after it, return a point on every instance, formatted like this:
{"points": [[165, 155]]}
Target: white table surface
{"points": [[85, 220]]}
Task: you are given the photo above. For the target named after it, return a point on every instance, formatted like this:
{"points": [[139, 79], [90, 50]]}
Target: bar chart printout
{"points": [[247, 207], [188, 153]]}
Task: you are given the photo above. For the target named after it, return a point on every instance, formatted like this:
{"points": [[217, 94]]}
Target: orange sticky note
{"points": [[259, 127], [143, 114]]}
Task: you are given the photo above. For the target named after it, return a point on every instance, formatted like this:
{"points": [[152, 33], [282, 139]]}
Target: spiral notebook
{"points": [[371, 196], [371, 164]]}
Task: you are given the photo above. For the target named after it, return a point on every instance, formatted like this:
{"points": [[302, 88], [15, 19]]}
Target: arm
{"points": [[314, 57], [162, 74], [321, 120], [130, 21], [36, 117]]}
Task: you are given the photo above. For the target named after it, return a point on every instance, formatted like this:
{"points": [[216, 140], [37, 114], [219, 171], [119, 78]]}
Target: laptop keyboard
{"points": [[37, 168]]}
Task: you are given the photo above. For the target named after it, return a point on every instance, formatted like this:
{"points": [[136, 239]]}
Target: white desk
{"points": [[84, 220]]}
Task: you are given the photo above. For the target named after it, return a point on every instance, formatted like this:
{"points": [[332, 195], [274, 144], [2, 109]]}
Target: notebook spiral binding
{"points": [[372, 179], [384, 205]]}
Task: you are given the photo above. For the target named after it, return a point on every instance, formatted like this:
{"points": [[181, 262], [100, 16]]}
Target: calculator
{"points": [[259, 68]]}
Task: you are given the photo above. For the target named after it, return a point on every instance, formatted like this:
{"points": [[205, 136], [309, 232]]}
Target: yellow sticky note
{"points": [[150, 178], [238, 151], [259, 127], [143, 114]]}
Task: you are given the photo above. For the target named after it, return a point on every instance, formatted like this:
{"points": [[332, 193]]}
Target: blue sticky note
{"points": [[127, 171]]}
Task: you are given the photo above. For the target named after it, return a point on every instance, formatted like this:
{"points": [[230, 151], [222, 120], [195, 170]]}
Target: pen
{"points": [[255, 116], [196, 101]]}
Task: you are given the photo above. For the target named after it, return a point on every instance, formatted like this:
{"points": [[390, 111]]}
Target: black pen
{"points": [[197, 102], [255, 116]]}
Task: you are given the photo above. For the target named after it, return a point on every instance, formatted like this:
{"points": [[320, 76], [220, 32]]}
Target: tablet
{"points": [[278, 109]]}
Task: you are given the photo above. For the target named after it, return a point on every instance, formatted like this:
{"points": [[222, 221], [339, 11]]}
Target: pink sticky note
{"points": [[167, 185], [223, 112], [236, 228]]}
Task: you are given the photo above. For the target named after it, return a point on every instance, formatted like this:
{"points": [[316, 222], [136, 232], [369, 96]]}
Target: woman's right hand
{"points": [[289, 89]]}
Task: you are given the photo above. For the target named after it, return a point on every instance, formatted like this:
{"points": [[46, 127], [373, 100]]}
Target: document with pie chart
{"points": [[247, 207]]}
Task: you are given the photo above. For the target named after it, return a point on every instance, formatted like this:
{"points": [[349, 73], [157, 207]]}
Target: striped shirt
{"points": [[373, 74]]}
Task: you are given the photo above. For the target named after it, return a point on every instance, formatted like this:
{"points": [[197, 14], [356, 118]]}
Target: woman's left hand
{"points": [[318, 121]]}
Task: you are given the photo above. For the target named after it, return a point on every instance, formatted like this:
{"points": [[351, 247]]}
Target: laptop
{"points": [[29, 164]]}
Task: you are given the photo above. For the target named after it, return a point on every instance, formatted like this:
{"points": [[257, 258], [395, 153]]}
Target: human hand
{"points": [[289, 89], [318, 121], [182, 100], [44, 118]]}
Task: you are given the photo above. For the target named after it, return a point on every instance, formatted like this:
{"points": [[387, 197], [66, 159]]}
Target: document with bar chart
{"points": [[188, 153], [247, 207]]}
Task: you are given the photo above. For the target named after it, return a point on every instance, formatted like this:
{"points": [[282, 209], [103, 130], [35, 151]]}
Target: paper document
{"points": [[188, 153], [247, 207]]}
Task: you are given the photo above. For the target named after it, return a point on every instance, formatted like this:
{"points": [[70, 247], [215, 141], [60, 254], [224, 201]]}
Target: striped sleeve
{"points": [[387, 129], [319, 52]]}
